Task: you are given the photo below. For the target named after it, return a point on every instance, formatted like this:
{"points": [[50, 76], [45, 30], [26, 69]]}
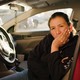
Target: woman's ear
{"points": [[71, 27]]}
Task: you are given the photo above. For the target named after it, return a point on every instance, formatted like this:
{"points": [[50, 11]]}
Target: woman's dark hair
{"points": [[60, 14]]}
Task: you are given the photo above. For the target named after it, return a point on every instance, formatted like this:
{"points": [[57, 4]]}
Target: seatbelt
{"points": [[66, 77], [69, 74], [75, 57]]}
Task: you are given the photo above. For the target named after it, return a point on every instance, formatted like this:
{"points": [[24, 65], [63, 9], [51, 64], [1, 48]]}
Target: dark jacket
{"points": [[43, 65]]}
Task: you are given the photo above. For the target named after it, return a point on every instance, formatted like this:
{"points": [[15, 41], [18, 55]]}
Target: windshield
{"points": [[10, 11]]}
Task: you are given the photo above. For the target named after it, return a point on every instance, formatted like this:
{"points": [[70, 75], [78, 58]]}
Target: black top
{"points": [[43, 65]]}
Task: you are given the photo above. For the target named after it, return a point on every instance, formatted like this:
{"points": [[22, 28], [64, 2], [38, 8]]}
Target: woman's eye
{"points": [[61, 26], [52, 28]]}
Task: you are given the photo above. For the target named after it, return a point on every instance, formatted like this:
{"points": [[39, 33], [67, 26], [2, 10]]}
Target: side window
{"points": [[39, 22]]}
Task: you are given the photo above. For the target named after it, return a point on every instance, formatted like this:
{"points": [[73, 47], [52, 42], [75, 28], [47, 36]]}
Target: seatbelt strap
{"points": [[76, 53], [66, 77]]}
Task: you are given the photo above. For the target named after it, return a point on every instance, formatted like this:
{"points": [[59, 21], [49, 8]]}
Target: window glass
{"points": [[39, 22]]}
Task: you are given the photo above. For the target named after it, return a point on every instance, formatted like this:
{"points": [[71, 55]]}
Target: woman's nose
{"points": [[58, 31]]}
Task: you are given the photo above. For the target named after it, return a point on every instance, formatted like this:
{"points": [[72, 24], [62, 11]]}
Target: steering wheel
{"points": [[7, 49]]}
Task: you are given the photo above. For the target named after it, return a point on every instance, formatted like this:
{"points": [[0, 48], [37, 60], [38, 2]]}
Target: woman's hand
{"points": [[60, 40]]}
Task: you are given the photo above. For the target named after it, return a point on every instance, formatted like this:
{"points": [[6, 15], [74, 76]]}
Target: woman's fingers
{"points": [[65, 36]]}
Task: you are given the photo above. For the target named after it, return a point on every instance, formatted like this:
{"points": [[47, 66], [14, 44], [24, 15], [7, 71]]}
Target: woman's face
{"points": [[57, 26]]}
